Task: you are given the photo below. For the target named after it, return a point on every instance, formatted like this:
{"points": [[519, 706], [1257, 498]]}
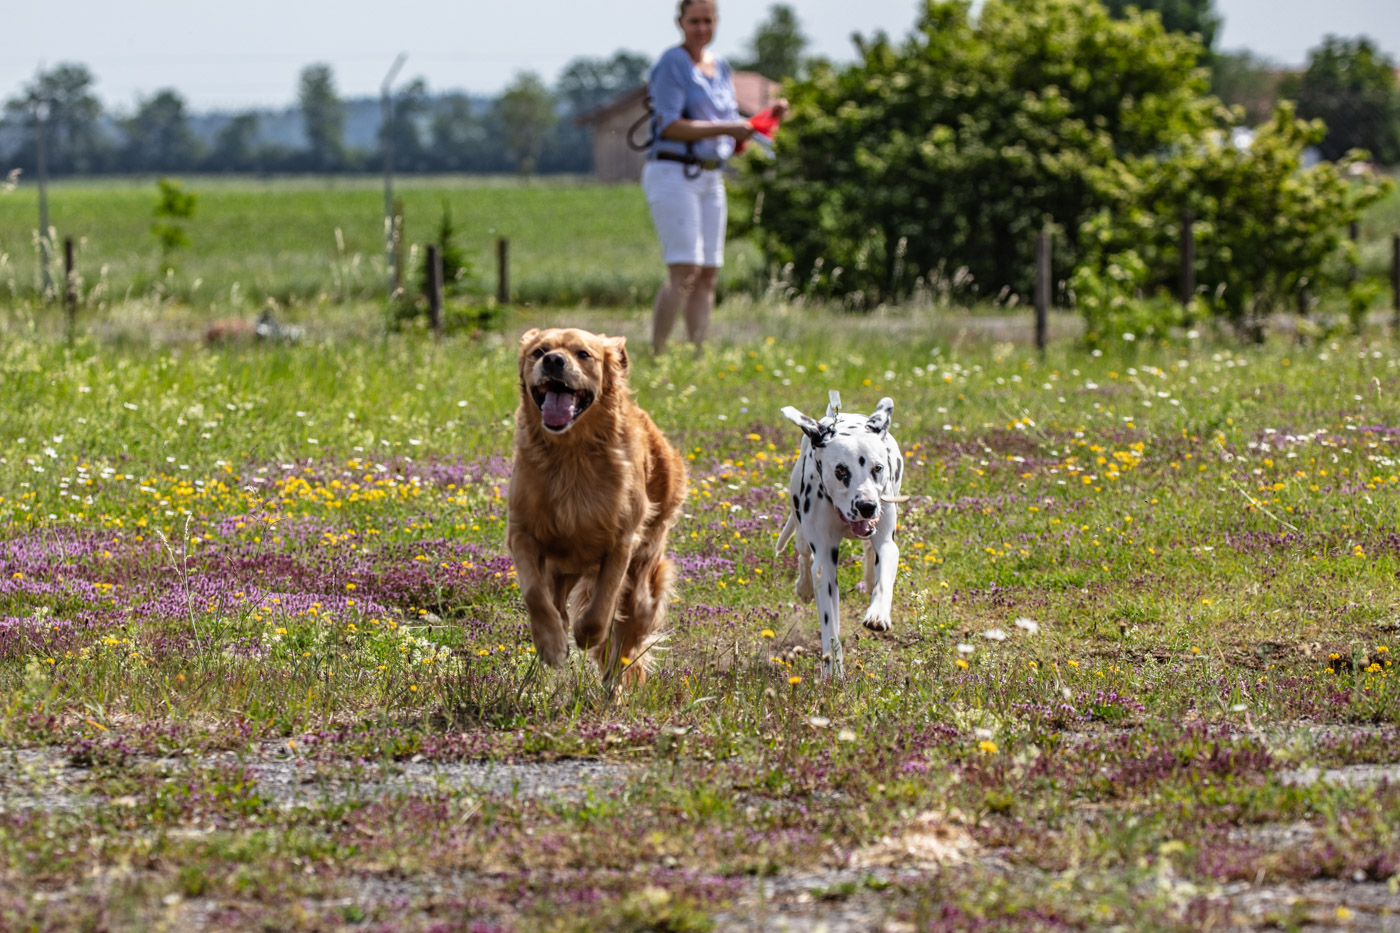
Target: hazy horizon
{"points": [[226, 58]]}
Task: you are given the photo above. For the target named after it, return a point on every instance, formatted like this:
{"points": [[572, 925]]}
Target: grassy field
{"points": [[318, 241], [263, 664], [308, 244]]}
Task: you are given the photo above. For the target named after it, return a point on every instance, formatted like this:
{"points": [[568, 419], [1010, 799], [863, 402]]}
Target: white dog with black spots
{"points": [[845, 485]]}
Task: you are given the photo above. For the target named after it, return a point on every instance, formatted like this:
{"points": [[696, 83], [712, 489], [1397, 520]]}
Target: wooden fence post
{"points": [[503, 270], [70, 287], [1188, 257], [1395, 275], [1042, 288], [1354, 232], [435, 289]]}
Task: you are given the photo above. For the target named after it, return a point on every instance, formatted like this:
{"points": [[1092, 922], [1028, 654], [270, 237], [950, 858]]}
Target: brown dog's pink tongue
{"points": [[558, 409]]}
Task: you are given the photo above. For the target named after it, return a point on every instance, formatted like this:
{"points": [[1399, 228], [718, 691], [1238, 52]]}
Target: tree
{"points": [[586, 83], [1241, 79], [71, 115], [323, 116], [1191, 17], [777, 47], [460, 141], [158, 136], [525, 112], [940, 159], [411, 108], [1349, 84], [236, 145]]}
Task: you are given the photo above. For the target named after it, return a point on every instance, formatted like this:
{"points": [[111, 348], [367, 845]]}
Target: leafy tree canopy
{"points": [[1192, 17], [525, 115], [323, 114], [938, 158], [778, 45], [1350, 85]]}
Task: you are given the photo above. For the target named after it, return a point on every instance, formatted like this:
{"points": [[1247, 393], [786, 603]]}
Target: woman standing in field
{"points": [[696, 127]]}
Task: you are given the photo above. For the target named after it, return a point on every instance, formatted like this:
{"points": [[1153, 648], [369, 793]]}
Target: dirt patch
{"points": [[46, 779]]}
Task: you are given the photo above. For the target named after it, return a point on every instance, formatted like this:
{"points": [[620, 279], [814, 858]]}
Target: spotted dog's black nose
{"points": [[553, 363], [866, 509]]}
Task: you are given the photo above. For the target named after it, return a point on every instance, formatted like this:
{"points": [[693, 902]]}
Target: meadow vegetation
{"points": [[263, 663], [306, 244]]}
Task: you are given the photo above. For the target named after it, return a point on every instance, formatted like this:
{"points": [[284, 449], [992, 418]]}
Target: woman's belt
{"points": [[708, 165]]}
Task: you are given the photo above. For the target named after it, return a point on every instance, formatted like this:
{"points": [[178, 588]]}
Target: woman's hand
{"points": [[740, 130]]}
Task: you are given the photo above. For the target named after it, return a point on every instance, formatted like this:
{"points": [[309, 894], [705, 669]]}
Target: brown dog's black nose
{"points": [[866, 509], [553, 362]]}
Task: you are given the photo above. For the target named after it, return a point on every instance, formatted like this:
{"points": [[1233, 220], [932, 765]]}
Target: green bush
{"points": [[942, 157], [1265, 228]]}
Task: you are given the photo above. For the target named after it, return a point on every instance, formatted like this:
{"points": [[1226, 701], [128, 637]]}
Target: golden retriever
{"points": [[594, 492]]}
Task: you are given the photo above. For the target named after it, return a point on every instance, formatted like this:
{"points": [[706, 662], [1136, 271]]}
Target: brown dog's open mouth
{"points": [[560, 404]]}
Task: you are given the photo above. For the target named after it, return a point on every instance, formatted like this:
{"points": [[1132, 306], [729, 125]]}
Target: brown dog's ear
{"points": [[617, 351], [529, 335]]}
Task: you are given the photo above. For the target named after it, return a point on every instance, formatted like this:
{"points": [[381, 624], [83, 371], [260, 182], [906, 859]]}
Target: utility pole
{"points": [[386, 142]]}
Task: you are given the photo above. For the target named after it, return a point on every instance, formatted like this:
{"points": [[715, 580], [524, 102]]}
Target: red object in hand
{"points": [[763, 122]]}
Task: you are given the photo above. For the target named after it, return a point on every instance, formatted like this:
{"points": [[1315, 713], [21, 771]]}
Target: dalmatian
{"points": [[845, 484]]}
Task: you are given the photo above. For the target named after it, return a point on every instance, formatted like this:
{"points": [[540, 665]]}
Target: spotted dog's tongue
{"points": [[558, 408], [862, 528]]}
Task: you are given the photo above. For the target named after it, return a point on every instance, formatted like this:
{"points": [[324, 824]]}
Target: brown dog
{"points": [[595, 489]]}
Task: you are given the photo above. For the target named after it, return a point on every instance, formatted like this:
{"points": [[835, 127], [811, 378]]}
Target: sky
{"points": [[221, 56]]}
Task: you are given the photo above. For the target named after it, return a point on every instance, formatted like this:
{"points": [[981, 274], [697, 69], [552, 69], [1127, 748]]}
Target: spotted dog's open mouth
{"points": [[861, 528], [560, 404]]}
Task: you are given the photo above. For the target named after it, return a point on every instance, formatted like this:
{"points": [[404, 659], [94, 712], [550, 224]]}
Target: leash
{"points": [[692, 164]]}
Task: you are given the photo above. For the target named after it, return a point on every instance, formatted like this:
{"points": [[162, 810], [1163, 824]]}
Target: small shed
{"points": [[614, 160]]}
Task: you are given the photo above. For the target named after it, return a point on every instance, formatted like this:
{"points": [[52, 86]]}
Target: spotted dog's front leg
{"points": [[824, 557], [881, 567], [806, 590]]}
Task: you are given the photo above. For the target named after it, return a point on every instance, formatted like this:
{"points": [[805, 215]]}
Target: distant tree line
{"points": [[532, 126]]}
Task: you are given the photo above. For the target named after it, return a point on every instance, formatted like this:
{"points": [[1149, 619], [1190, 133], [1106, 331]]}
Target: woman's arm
{"points": [[685, 131]]}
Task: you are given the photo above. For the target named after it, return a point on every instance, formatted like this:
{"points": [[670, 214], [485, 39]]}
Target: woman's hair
{"points": [[685, 3]]}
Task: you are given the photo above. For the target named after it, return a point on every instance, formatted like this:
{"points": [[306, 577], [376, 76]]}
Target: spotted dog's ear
{"points": [[818, 432], [879, 422]]}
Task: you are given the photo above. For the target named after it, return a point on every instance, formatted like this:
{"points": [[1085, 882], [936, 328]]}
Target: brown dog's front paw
{"points": [[551, 644]]}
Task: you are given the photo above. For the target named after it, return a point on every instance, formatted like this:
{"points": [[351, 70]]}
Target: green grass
{"points": [[320, 241], [308, 244], [261, 649]]}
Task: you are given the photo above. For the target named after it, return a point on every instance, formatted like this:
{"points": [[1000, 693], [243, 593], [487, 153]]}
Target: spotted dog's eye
{"points": [[842, 472], [876, 470], [584, 355], [539, 352]]}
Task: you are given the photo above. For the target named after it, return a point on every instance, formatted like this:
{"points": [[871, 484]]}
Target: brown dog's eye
{"points": [[539, 352], [584, 355]]}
